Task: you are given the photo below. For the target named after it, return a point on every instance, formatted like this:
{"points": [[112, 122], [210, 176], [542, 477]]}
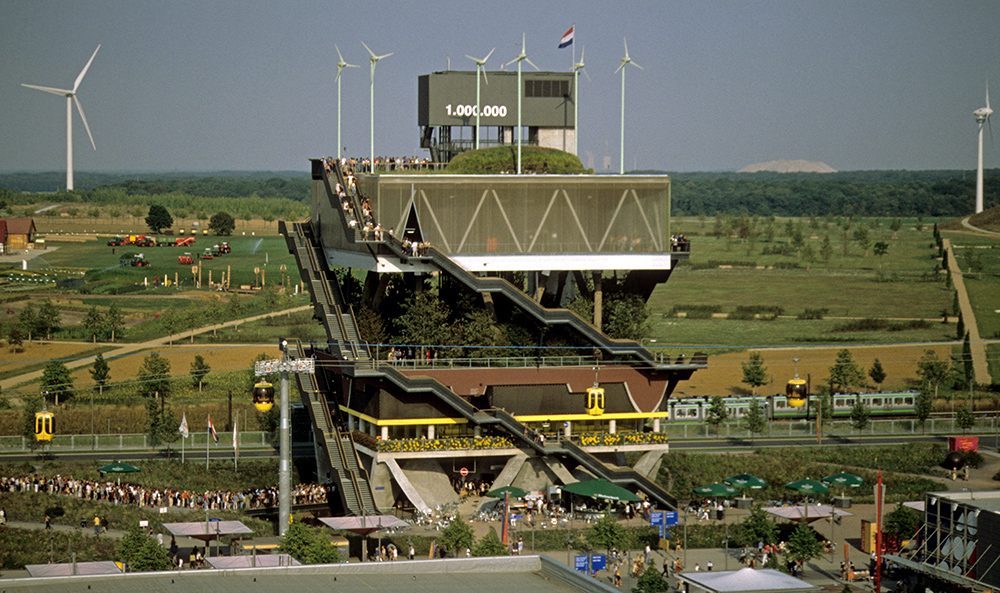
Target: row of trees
{"points": [[159, 218]]}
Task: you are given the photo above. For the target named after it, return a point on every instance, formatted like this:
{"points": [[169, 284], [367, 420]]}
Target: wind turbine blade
{"points": [[636, 65], [515, 60], [340, 58], [472, 58], [620, 66], [532, 64], [489, 54], [368, 48], [84, 118], [626, 47], [583, 50], [60, 92], [587, 75], [385, 56], [79, 78], [483, 70]]}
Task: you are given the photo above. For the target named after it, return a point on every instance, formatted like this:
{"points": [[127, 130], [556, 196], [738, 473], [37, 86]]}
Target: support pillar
{"points": [[612, 425], [568, 429], [598, 299], [430, 432], [385, 433], [656, 425]]}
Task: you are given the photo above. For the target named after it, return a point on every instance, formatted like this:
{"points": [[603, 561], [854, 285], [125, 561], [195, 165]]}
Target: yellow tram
{"points": [[595, 401], [797, 391], [263, 396], [44, 426]]}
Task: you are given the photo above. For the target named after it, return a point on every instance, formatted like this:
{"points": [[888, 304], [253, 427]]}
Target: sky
{"points": [[250, 85]]}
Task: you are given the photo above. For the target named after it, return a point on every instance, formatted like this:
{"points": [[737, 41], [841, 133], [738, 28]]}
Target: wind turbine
{"points": [[70, 99], [341, 64], [520, 91], [479, 69], [374, 60], [625, 60], [982, 116], [577, 67]]}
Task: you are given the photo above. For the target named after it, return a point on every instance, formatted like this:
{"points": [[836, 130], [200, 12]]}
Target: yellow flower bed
{"points": [[422, 445], [603, 439]]}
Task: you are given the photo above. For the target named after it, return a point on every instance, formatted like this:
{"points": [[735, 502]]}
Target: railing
{"points": [[839, 428], [605, 439], [135, 442]]}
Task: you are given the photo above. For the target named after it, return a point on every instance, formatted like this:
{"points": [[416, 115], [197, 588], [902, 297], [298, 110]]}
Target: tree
{"points": [[716, 413], [100, 372], [931, 370], [308, 545], [903, 522], [158, 218], [114, 322], [57, 381], [457, 536], [859, 414], [967, 366], [754, 420], [48, 318], [757, 527], [880, 249], [964, 418], [32, 405], [754, 372], [803, 544], [199, 369], [877, 374], [490, 545], [141, 552], [826, 248], [15, 338], [222, 224], [607, 532], [154, 386], [626, 316], [93, 322], [845, 373], [651, 581], [28, 320], [925, 405]]}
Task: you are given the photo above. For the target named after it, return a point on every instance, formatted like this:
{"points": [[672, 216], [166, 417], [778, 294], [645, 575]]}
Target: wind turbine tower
{"points": [[70, 99], [341, 64], [625, 60], [373, 60], [479, 70], [521, 56], [982, 116]]}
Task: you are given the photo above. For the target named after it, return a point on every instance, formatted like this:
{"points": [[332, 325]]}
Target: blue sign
{"points": [[213, 520], [661, 531], [670, 518], [665, 534], [598, 562], [656, 518], [580, 563]]}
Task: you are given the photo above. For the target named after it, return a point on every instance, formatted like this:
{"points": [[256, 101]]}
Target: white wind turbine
{"points": [[520, 91], [982, 116], [479, 69], [341, 64], [625, 60], [577, 67], [70, 99], [374, 60]]}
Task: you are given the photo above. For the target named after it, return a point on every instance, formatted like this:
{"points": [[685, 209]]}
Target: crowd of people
{"points": [[132, 494], [388, 163]]}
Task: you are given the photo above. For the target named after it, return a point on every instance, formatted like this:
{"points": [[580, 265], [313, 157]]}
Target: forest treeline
{"points": [[855, 193], [851, 193]]}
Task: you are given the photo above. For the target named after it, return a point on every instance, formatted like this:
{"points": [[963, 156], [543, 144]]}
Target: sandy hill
{"points": [[786, 166]]}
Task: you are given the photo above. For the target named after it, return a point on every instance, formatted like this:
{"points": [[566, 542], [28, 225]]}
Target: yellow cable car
{"points": [[263, 396], [797, 391], [595, 401], [44, 426]]}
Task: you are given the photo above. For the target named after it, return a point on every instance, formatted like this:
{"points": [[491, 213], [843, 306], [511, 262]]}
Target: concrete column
{"points": [[350, 422], [598, 300], [477, 431], [568, 430], [385, 433], [611, 426], [656, 425], [430, 431]]}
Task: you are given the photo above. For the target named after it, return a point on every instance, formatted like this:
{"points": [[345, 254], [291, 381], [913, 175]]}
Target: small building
{"points": [[19, 234], [3, 236]]}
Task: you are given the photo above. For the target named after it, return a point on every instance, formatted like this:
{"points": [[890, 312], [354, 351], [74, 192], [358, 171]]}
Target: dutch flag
{"points": [[211, 430], [567, 39]]}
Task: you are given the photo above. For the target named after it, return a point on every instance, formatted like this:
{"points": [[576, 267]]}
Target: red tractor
{"points": [[185, 259], [184, 242], [207, 254], [224, 247], [139, 261]]}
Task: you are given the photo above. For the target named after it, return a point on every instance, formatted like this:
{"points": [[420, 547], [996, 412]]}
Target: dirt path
{"points": [[7, 384], [979, 366]]}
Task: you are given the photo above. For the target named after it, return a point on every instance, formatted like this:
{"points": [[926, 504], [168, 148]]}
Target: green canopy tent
{"points": [[118, 468], [601, 489], [807, 486], [844, 480]]}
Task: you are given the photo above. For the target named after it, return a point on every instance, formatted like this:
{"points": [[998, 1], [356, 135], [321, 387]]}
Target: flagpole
{"points": [[236, 443], [182, 448], [573, 63], [208, 440]]}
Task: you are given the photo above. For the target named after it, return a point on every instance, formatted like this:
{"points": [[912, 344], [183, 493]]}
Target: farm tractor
{"points": [[139, 261], [221, 248], [185, 259], [137, 240], [207, 254]]}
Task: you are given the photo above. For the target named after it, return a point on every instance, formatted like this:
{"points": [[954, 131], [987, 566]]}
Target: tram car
{"points": [[778, 407]]}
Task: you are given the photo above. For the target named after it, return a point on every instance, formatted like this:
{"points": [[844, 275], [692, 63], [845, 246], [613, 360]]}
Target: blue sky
{"points": [[192, 85]]}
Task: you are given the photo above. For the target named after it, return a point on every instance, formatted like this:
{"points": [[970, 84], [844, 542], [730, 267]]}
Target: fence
{"points": [[138, 442], [839, 428]]}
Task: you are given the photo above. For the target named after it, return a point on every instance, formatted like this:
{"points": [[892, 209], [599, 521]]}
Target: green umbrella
{"points": [[807, 486], [118, 468], [716, 490], [844, 480], [514, 491], [600, 489], [745, 481]]}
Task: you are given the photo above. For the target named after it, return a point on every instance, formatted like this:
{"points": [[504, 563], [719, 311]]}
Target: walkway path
{"points": [[968, 225], [979, 365], [7, 384]]}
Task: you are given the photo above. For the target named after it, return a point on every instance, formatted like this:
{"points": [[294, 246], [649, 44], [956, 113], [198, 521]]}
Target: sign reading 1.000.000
{"points": [[470, 110]]}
